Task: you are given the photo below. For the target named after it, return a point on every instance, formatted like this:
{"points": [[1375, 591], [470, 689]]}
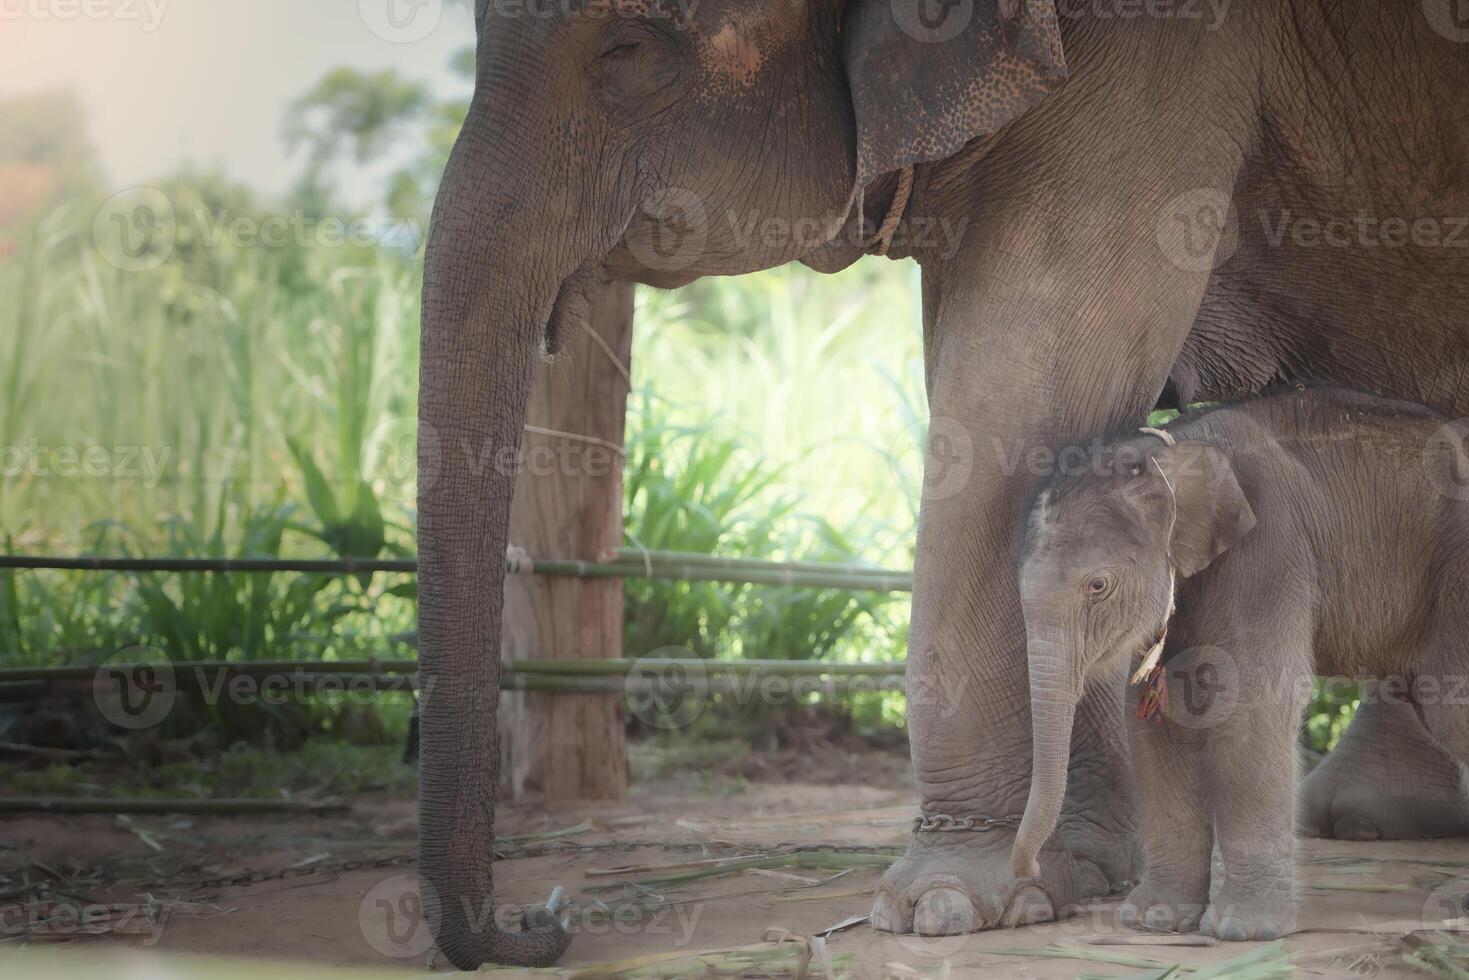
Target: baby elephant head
{"points": [[1100, 557]]}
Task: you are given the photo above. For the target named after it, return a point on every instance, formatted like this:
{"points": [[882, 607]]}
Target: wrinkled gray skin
{"points": [[1320, 531], [1050, 312]]}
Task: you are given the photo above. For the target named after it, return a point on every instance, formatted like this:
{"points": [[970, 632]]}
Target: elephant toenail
{"points": [[1159, 919], [1354, 826], [943, 912], [1029, 907], [1232, 930], [885, 916]]}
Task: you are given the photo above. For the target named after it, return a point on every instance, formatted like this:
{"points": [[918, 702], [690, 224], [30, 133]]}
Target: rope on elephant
{"points": [[1166, 436], [518, 561], [889, 226], [558, 434], [611, 354]]}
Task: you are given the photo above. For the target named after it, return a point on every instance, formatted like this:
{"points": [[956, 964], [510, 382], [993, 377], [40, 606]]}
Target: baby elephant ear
{"points": [[1212, 512], [928, 76]]}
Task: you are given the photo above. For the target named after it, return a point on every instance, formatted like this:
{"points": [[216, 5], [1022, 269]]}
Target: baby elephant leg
{"points": [[1253, 781], [1440, 694], [1178, 835]]}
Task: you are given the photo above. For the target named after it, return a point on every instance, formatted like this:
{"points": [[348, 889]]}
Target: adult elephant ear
{"points": [[928, 76]]}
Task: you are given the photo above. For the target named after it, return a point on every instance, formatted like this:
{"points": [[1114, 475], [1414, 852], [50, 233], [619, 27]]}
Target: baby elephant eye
{"points": [[1097, 587]]}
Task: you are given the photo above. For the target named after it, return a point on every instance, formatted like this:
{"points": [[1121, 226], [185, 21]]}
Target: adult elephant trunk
{"points": [[1055, 690], [487, 297]]}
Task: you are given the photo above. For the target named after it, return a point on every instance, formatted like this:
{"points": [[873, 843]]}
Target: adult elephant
{"points": [[1096, 271]]}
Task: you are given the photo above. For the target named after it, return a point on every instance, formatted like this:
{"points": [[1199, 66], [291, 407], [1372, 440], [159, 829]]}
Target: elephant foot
{"points": [[1241, 915], [953, 883], [1385, 780], [1155, 906], [1360, 800]]}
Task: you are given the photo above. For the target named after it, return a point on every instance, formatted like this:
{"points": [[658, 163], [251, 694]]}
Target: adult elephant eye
{"points": [[621, 50], [638, 70], [1097, 587], [628, 37]]}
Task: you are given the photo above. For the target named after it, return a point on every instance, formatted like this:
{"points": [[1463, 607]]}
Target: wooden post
{"points": [[568, 504]]}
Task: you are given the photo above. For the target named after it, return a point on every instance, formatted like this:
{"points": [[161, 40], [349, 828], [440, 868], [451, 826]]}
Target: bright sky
{"points": [[169, 82]]}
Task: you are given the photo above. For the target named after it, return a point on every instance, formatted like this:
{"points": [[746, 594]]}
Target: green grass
{"points": [[821, 375], [320, 768], [698, 489]]}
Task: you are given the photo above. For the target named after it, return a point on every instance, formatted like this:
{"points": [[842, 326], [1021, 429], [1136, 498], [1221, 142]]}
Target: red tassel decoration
{"points": [[1153, 704]]}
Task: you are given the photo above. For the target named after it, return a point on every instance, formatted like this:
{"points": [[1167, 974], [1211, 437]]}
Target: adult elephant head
{"points": [[652, 141]]}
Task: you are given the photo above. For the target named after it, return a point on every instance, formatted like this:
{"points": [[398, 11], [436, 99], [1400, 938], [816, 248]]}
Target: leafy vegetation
{"points": [[318, 768], [1330, 710]]}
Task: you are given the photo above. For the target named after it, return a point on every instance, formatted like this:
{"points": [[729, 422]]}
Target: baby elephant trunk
{"points": [[1055, 689]]}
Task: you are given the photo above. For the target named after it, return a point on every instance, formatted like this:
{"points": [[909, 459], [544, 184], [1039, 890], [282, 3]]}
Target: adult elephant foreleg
{"points": [[1069, 327], [1386, 779]]}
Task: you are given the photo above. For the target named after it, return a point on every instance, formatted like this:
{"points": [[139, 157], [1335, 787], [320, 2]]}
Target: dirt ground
{"points": [[148, 893]]}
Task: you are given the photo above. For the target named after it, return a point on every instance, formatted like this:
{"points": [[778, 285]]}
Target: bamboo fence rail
{"points": [[560, 676], [625, 563]]}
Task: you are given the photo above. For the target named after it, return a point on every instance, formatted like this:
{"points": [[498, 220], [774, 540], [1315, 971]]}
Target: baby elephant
{"points": [[1319, 531]]}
